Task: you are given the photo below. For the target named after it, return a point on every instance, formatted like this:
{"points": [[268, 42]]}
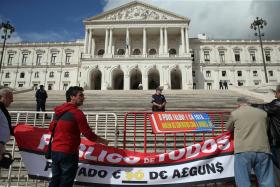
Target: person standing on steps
{"points": [[221, 85], [41, 98]]}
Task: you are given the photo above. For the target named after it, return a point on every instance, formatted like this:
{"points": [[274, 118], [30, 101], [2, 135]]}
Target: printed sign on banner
{"points": [[173, 122], [103, 166]]}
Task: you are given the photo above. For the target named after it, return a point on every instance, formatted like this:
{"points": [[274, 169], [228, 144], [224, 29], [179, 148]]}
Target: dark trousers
{"points": [[41, 105], [64, 168]]}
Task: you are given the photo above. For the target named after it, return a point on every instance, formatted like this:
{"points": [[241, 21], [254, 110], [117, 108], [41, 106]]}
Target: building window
{"points": [[240, 83], [222, 56], [65, 86], [10, 59], [193, 73], [267, 56], [253, 56], [20, 85], [7, 75], [50, 86], [224, 73], [239, 73], [39, 59], [121, 52], [206, 56], [209, 86], [255, 73], [35, 86], [53, 58], [237, 57], [136, 52], [24, 59], [22, 74], [36, 75], [192, 55], [152, 51], [100, 52], [270, 73], [6, 85], [208, 73], [51, 74], [66, 74], [67, 58], [172, 52]]}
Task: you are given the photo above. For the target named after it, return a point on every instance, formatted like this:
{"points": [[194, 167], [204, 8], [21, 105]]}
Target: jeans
{"points": [[64, 168], [260, 162]]}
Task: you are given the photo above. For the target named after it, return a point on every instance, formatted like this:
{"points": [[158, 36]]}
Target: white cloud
{"points": [[225, 19]]}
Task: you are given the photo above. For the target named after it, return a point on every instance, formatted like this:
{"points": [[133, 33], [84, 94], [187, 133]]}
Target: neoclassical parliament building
{"points": [[139, 45]]}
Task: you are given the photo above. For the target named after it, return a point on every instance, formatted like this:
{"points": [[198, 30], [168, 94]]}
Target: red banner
{"points": [[108, 166]]}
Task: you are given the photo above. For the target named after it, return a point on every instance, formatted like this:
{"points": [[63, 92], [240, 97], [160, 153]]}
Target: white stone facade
{"points": [[137, 44]]}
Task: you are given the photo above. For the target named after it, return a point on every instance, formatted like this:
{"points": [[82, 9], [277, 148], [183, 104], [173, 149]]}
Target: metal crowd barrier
{"points": [[104, 124]]}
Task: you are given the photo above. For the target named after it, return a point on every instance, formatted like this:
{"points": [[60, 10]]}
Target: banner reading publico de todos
{"points": [[99, 165], [172, 122]]}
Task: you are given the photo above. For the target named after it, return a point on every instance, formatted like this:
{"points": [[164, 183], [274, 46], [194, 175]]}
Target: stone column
{"points": [[183, 40], [165, 41], [86, 42], [106, 42], [187, 79], [187, 40], [127, 43], [126, 81], [90, 42], [144, 42], [161, 41], [110, 41], [93, 46], [145, 79]]}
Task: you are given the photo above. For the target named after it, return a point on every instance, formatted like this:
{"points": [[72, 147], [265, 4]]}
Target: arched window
{"points": [[22, 74], [172, 51], [152, 51], [100, 52], [121, 52], [136, 52]]}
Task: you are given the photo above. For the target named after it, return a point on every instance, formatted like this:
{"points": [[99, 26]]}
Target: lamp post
{"points": [[259, 24], [7, 30]]}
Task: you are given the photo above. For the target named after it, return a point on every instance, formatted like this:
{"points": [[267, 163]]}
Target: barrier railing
{"points": [[138, 136], [104, 124], [137, 125]]}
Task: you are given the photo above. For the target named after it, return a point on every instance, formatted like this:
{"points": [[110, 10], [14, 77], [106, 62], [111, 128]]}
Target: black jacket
{"points": [[273, 111], [41, 95]]}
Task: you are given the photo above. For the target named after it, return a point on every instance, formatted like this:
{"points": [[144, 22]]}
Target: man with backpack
{"points": [[273, 112]]}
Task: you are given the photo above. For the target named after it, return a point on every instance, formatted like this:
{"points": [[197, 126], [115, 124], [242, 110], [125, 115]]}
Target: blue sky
{"points": [[49, 20], [61, 20]]}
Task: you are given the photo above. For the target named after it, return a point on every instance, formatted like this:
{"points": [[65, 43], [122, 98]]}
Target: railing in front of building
{"points": [[103, 124]]}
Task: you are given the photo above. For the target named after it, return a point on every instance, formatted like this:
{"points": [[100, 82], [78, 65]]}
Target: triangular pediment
{"points": [[136, 11]]}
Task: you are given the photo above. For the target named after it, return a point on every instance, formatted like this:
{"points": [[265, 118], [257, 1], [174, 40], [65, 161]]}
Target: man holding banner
{"points": [[69, 122], [251, 146]]}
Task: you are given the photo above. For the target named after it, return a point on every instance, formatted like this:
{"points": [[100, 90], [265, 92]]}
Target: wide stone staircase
{"points": [[132, 110]]}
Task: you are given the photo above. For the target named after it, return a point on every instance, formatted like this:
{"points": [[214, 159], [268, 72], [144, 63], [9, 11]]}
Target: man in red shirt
{"points": [[71, 122]]}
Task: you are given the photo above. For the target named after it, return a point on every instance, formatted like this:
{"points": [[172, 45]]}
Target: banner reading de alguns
{"points": [[211, 160]]}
